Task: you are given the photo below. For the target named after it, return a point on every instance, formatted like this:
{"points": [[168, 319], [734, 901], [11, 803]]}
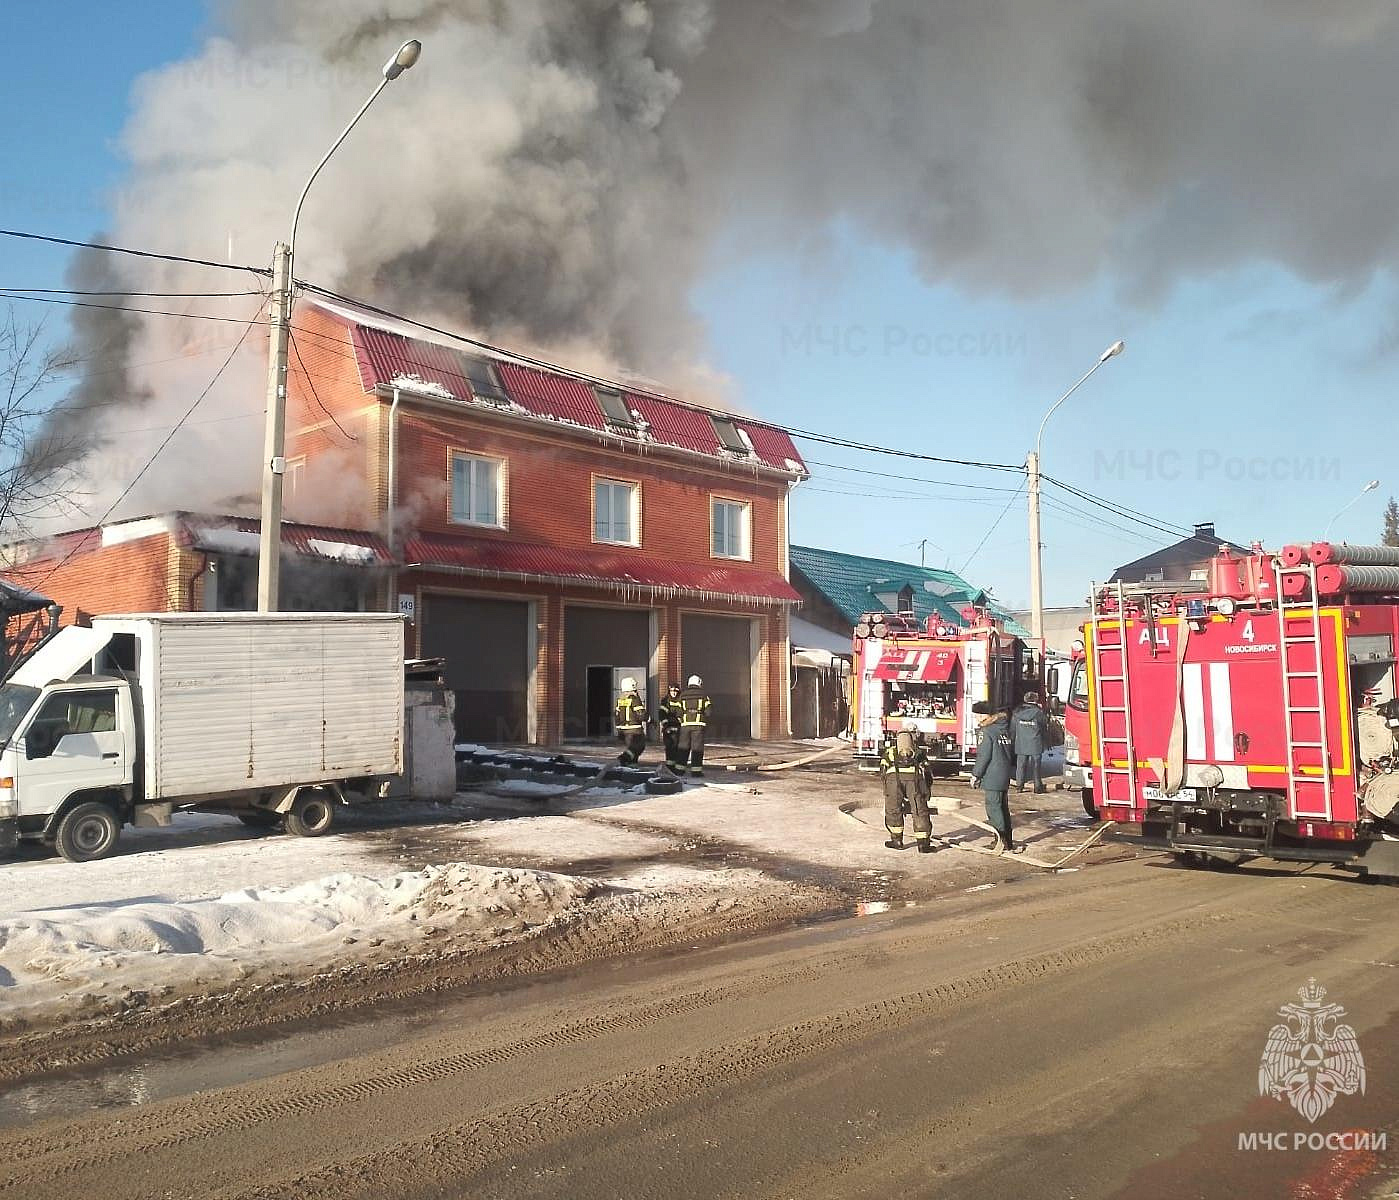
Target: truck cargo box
{"points": [[240, 701]]}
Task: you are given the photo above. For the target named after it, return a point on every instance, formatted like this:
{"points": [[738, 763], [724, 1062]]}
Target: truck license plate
{"points": [[1185, 795]]}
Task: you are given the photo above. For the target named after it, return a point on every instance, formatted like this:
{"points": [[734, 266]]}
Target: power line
{"points": [[554, 368], [979, 487], [989, 532], [870, 448], [152, 312], [126, 491], [157, 295], [1121, 510], [198, 262]]}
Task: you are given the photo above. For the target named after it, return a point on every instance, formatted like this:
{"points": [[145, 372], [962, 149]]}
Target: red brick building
{"points": [[544, 532]]}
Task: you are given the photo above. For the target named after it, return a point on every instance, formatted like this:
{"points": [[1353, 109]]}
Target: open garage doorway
{"points": [[598, 641]]}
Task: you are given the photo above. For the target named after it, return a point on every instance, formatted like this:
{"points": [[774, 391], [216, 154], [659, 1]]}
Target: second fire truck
{"points": [[929, 675], [1253, 714]]}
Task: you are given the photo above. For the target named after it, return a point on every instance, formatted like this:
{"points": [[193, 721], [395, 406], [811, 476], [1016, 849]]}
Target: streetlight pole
{"points": [[274, 464], [1369, 487], [1032, 466]]}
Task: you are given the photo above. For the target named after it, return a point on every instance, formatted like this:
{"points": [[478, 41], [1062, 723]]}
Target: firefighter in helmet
{"points": [[630, 721], [904, 769], [668, 713], [694, 716]]}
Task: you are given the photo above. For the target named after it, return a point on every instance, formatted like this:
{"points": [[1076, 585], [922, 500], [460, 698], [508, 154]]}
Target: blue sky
{"points": [[1248, 398]]}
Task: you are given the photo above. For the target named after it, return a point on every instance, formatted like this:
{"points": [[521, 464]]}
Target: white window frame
{"points": [[634, 487], [745, 527], [502, 489]]}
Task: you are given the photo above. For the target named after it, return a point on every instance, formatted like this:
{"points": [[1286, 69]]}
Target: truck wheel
{"points": [[87, 832], [1088, 806], [311, 814]]}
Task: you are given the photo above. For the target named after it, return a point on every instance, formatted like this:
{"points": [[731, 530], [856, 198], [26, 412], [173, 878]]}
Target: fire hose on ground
{"points": [[848, 810]]}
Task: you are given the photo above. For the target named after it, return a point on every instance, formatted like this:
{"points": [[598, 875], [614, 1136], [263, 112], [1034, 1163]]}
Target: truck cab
{"points": [[66, 769]]}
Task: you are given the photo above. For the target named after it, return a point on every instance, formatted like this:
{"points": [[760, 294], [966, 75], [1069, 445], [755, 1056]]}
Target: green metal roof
{"points": [[850, 582]]}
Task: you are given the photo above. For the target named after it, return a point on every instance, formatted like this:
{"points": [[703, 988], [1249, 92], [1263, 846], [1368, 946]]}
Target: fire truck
{"points": [[929, 675], [1078, 741], [1253, 714]]}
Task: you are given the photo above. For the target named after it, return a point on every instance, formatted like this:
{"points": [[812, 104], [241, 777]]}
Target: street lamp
{"points": [[273, 460], [1033, 468], [1369, 487]]}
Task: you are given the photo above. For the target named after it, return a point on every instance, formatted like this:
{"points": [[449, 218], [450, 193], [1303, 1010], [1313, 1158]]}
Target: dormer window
{"points": [[485, 383], [614, 407], [730, 436]]}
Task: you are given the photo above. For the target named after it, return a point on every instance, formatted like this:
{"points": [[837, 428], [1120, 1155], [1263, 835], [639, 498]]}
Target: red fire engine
{"points": [[1255, 716], [930, 676]]}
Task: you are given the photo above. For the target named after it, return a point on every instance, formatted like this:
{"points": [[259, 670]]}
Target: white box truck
{"points": [[272, 717]]}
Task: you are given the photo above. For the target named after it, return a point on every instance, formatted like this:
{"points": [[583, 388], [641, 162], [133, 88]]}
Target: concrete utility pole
{"points": [[1032, 467], [269, 561], [269, 552]]}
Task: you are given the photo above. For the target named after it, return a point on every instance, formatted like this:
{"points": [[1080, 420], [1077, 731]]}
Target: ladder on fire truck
{"points": [[1111, 666], [1296, 678]]}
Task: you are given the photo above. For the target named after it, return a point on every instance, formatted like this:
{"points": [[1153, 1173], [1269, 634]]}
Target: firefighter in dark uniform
{"points": [[694, 715], [630, 721], [904, 769], [668, 714]]}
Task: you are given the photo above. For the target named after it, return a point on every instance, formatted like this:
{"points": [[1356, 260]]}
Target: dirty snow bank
{"points": [[83, 955]]}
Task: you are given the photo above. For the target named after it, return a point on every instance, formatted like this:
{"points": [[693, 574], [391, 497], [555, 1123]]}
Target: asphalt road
{"points": [[1094, 1034]]}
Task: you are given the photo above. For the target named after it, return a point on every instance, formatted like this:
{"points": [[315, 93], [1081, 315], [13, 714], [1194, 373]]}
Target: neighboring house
{"points": [[837, 589], [1186, 560], [544, 534], [1062, 626], [199, 562]]}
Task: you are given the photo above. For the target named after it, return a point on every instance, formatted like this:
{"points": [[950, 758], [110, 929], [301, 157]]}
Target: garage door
{"points": [[486, 644], [719, 651], [595, 641]]}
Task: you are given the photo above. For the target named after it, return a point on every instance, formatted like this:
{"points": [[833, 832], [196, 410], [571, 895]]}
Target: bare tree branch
{"points": [[38, 447]]}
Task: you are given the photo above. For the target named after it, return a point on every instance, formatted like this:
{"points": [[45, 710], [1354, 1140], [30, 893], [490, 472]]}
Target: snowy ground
{"points": [[209, 904]]}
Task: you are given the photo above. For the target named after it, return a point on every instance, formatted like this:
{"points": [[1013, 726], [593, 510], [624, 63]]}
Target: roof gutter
{"points": [[624, 586]]}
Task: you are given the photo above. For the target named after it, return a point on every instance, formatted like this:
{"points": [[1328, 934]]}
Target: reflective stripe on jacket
{"points": [[892, 760], [694, 707], [630, 714]]}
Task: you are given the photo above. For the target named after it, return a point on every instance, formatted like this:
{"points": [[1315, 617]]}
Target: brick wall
{"points": [[150, 574], [334, 426], [550, 483]]}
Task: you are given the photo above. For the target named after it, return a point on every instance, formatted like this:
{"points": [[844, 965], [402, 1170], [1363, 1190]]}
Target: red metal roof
{"points": [[615, 570], [384, 356], [353, 547], [559, 397], [551, 396]]}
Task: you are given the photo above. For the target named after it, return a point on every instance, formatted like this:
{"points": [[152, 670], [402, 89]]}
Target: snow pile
{"points": [[103, 950]]}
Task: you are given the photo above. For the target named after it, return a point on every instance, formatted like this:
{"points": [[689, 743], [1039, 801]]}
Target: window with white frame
{"points": [[616, 512], [729, 528], [478, 490]]}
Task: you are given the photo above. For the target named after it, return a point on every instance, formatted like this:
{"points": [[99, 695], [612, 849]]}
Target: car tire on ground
{"points": [[312, 813], [1088, 806], [87, 832]]}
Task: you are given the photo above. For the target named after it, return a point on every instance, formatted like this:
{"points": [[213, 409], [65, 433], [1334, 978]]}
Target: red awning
{"points": [[616, 571], [917, 666]]}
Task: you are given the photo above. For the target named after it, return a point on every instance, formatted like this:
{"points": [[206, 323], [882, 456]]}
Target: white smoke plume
{"points": [[554, 173]]}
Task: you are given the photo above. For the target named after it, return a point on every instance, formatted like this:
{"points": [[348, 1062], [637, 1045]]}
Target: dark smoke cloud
{"points": [[556, 172]]}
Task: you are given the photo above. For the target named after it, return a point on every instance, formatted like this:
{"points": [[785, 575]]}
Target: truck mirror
{"points": [[38, 742]]}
